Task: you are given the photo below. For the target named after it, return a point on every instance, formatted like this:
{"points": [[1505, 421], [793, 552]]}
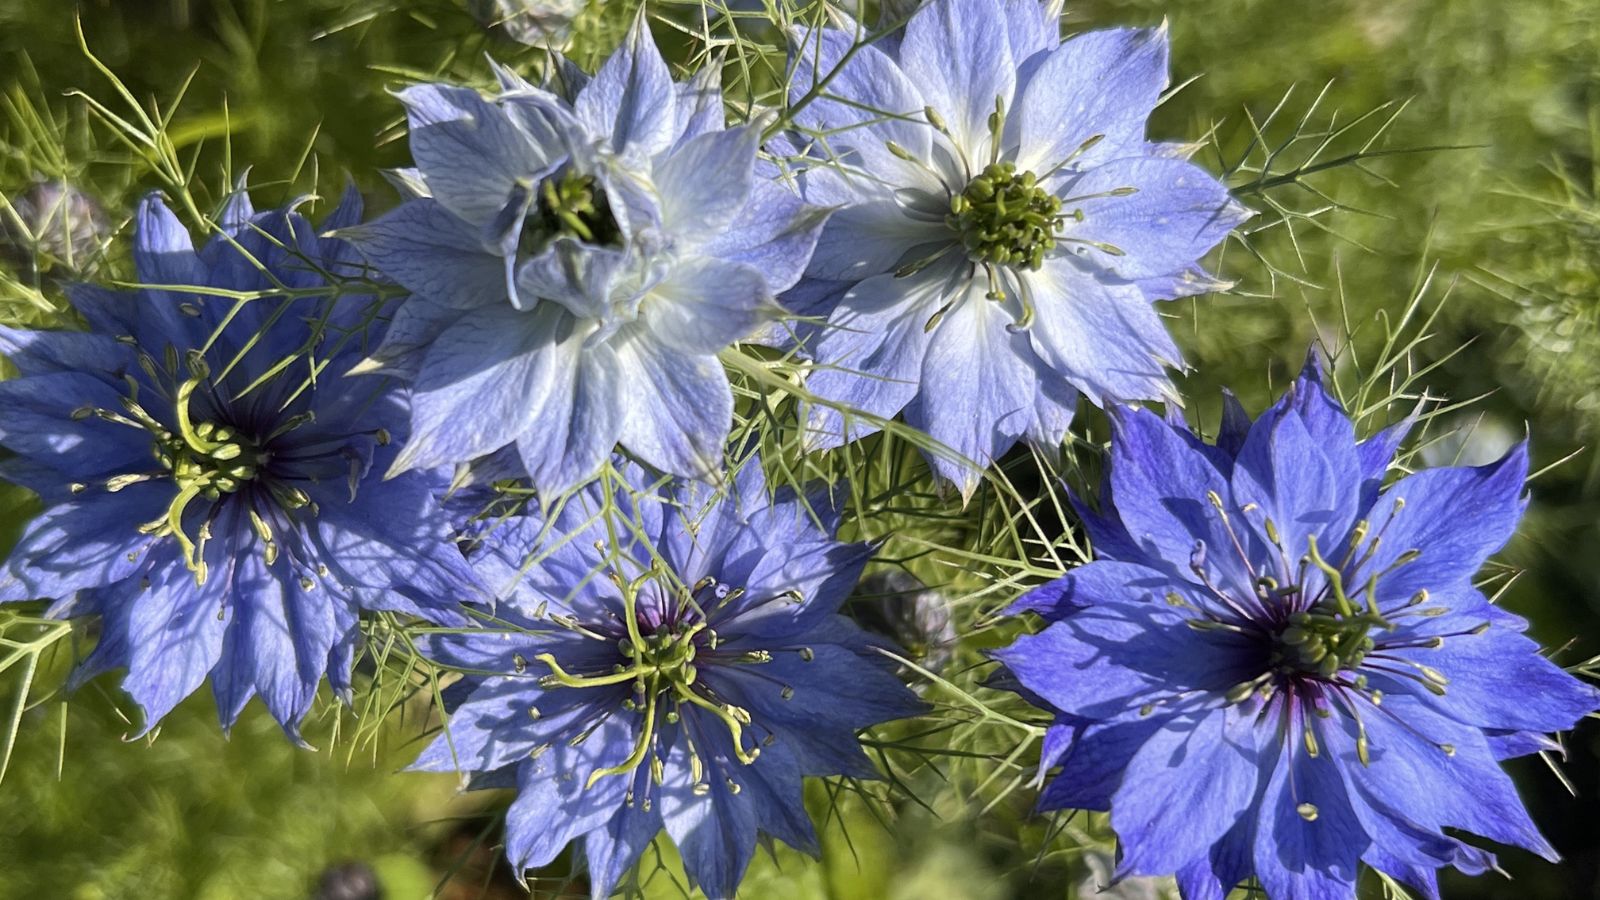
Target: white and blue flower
{"points": [[576, 268], [1003, 225]]}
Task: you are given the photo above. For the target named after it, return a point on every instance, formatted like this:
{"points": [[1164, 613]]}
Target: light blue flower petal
{"points": [[632, 101], [1103, 337], [870, 353], [576, 419], [477, 389], [433, 254], [680, 407], [861, 100], [1176, 215], [705, 182], [415, 325], [582, 278], [470, 154], [1032, 26], [977, 389], [707, 305], [958, 54], [873, 237], [775, 232], [1103, 85], [553, 803], [699, 109]]}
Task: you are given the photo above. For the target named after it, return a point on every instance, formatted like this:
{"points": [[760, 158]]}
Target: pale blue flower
{"points": [[1003, 225], [576, 268]]}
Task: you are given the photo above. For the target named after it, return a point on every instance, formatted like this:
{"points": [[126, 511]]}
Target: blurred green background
{"points": [[1508, 221]]}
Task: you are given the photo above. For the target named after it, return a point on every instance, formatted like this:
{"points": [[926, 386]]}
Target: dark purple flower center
{"points": [[206, 460], [663, 645], [1319, 640]]}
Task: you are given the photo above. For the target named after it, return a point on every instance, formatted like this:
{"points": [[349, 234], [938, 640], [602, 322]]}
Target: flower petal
{"points": [[706, 305], [977, 389], [870, 353], [1184, 789], [632, 100], [706, 182], [469, 152], [1454, 517], [473, 394], [681, 406], [1176, 214], [958, 53], [1105, 84], [433, 254], [1104, 337]]}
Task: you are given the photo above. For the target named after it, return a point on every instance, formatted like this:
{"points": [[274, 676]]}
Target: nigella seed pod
{"points": [[51, 225], [918, 619], [537, 23]]}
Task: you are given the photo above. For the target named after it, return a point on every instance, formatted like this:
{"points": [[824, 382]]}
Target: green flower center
{"points": [[1324, 640], [571, 205], [205, 460], [210, 461], [1005, 218]]}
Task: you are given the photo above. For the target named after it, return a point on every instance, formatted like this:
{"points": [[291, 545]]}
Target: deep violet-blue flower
{"points": [[221, 516], [675, 660], [1003, 225], [1278, 667], [576, 267]]}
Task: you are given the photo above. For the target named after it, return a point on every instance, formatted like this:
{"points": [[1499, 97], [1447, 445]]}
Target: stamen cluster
{"points": [[1005, 218], [661, 665]]}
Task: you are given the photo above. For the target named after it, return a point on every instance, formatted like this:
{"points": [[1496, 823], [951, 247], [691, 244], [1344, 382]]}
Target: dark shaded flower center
{"points": [[660, 648], [1005, 218], [206, 460], [573, 205]]}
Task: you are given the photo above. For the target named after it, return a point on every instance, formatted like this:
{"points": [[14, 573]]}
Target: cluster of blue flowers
{"points": [[1277, 669]]}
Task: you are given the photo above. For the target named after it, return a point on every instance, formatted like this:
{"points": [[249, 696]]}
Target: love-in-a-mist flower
{"points": [[1003, 225], [577, 267], [671, 659], [213, 487], [1279, 668]]}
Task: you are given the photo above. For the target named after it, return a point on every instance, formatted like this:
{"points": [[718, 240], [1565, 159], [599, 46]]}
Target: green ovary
{"points": [[1005, 218]]}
